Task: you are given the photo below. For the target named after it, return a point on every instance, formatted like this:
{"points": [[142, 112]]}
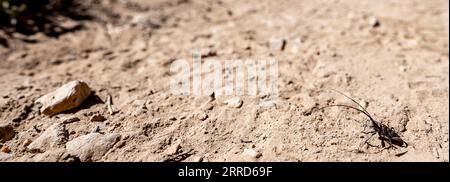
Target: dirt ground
{"points": [[391, 55]]}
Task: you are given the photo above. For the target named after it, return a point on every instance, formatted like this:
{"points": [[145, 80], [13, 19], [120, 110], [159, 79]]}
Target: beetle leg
{"points": [[390, 144]]}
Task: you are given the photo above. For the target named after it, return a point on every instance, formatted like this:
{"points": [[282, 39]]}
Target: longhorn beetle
{"points": [[385, 133]]}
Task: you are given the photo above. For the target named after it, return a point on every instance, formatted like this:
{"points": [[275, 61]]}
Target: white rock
{"points": [[202, 116], [374, 22], [235, 102], [64, 98], [6, 132], [251, 153], [91, 147], [277, 44], [53, 136], [268, 103], [139, 19], [403, 69]]}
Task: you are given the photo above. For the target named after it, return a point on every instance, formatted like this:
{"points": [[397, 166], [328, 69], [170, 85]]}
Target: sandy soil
{"points": [[391, 55]]}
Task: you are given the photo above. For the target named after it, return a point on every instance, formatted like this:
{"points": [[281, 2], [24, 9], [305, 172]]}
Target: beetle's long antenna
{"points": [[351, 107], [348, 97]]}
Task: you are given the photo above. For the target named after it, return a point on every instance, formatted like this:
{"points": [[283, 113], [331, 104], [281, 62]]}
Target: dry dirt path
{"points": [[391, 55]]}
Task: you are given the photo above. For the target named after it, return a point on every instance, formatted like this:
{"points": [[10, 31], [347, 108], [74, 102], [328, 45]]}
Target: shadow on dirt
{"points": [[50, 17], [91, 101], [3, 42]]}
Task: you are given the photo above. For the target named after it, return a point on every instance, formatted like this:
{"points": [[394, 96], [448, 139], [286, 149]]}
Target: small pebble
{"points": [[374, 22], [235, 102], [402, 69], [251, 153], [202, 116], [277, 44]]}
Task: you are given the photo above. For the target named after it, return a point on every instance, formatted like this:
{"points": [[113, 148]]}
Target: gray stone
{"points": [[91, 147], [67, 97], [53, 136]]}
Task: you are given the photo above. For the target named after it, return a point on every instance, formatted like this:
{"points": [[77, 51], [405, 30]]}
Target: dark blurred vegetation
{"points": [[32, 16], [10, 10]]}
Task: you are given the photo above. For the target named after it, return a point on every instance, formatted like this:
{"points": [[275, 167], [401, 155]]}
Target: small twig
{"points": [[109, 105]]}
